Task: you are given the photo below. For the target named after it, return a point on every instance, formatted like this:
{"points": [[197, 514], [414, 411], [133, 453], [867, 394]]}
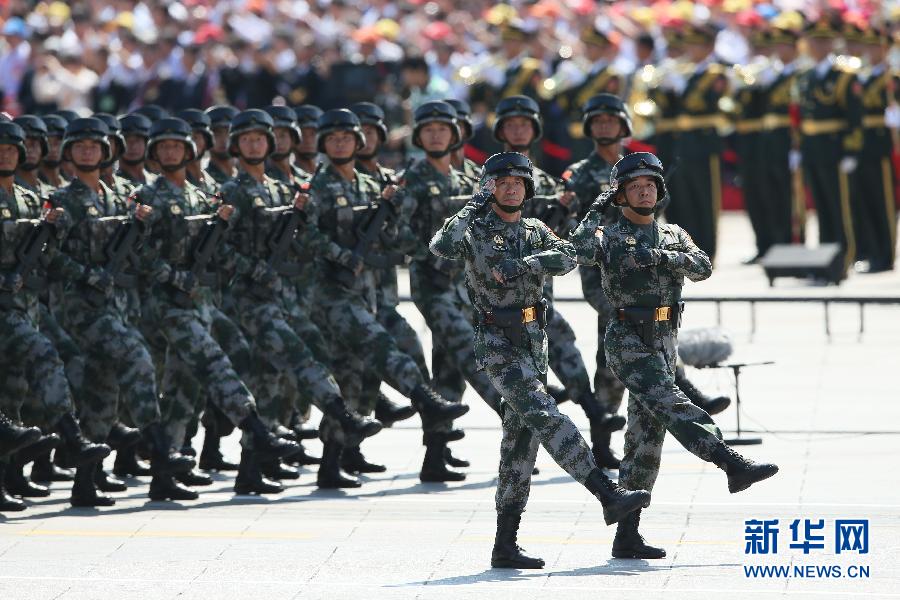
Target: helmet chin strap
{"points": [[307, 155], [366, 156], [438, 153], [131, 162], [606, 141], [7, 172], [645, 211], [29, 166], [523, 148], [86, 168], [220, 155], [253, 161], [278, 156]]}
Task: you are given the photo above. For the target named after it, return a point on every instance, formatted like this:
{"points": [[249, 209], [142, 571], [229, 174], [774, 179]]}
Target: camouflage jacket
{"points": [[218, 175], [588, 178], [206, 183], [485, 242], [42, 190], [295, 178], [19, 213], [147, 177], [121, 189], [643, 265]]}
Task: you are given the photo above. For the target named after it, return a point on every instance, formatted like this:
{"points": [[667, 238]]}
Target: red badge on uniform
{"points": [[567, 175]]}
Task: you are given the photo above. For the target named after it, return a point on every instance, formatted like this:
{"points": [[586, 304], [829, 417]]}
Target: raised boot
{"points": [[164, 487], [433, 408], [275, 470], [162, 458], [434, 469], [353, 424], [194, 478], [78, 450], [18, 484], [13, 437], [742, 472], [211, 458], [44, 471], [507, 554], [106, 482], [303, 458], [617, 501], [353, 461], [7, 502], [389, 412], [301, 430], [454, 461], [122, 436], [712, 405], [127, 464], [629, 543], [264, 441], [84, 490], [330, 476], [250, 479], [600, 448], [600, 420]]}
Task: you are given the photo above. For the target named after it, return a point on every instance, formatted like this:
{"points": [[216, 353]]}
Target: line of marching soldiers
{"points": [[232, 269], [814, 111]]}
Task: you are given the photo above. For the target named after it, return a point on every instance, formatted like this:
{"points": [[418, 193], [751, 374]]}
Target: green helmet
{"points": [[371, 114], [339, 119], [285, 117], [519, 106], [56, 125], [12, 134], [463, 118], [135, 124], [308, 115], [510, 164], [34, 127], [252, 119], [115, 133], [221, 115], [636, 165], [199, 121], [436, 111], [153, 112], [89, 128], [171, 128], [604, 104]]}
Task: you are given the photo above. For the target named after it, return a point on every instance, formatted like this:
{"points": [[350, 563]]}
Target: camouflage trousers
{"points": [[68, 350], [655, 404], [32, 371], [531, 419], [609, 390], [117, 364], [278, 352], [450, 319], [196, 367]]}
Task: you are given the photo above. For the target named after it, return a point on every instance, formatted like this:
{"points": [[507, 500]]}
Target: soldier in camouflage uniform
{"points": [[49, 171], [36, 151], [95, 306], [27, 355], [261, 205], [201, 133], [506, 260], [644, 265], [518, 126], [136, 132], [345, 204], [12, 438], [466, 166], [221, 163], [435, 191], [306, 153]]}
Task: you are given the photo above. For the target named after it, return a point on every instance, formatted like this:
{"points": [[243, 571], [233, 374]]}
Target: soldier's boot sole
{"points": [[165, 488], [616, 510], [517, 563], [741, 480]]}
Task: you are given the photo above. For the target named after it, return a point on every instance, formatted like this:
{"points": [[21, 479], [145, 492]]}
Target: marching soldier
{"points": [[136, 131], [644, 265], [50, 167], [506, 259], [221, 163], [201, 133], [37, 148], [831, 113], [466, 166], [306, 153]]}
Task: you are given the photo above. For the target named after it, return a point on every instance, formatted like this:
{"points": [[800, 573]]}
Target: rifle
{"points": [[28, 254], [205, 248], [119, 251], [366, 236], [281, 239]]}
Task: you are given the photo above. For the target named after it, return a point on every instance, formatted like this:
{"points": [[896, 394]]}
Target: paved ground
{"points": [[828, 411]]}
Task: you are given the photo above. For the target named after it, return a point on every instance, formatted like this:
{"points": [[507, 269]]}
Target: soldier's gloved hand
{"points": [[99, 279], [794, 160], [509, 269], [648, 257], [484, 195], [266, 276], [603, 200], [11, 282], [848, 164], [355, 263], [183, 280]]}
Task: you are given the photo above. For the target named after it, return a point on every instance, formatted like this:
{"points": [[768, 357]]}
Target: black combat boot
{"points": [[7, 502], [353, 424], [330, 476], [84, 490], [162, 458], [301, 430], [629, 543], [194, 478], [353, 461], [250, 479], [121, 437], [264, 441], [434, 469], [106, 482], [433, 408], [211, 458], [13, 437], [558, 393], [44, 471], [187, 448], [164, 487], [389, 412], [603, 453], [711, 405], [742, 472], [617, 501], [18, 484], [127, 464], [507, 554], [600, 420], [454, 461], [303, 458], [78, 450], [275, 470]]}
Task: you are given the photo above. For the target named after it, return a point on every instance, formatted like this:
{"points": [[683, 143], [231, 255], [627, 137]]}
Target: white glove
{"points": [[794, 160], [848, 164], [673, 81], [892, 116]]}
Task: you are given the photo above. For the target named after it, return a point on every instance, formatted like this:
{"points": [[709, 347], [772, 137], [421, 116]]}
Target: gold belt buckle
{"points": [[663, 312], [528, 314]]}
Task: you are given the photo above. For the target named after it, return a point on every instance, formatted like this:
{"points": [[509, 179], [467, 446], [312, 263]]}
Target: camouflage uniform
{"points": [[517, 370], [656, 404], [101, 327], [588, 178], [436, 284], [191, 350]]}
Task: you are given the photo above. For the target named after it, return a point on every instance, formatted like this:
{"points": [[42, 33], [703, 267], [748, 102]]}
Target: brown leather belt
{"points": [[529, 314], [661, 313]]}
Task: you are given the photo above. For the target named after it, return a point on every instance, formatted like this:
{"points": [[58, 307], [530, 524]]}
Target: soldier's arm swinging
{"points": [[557, 258], [688, 260]]}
